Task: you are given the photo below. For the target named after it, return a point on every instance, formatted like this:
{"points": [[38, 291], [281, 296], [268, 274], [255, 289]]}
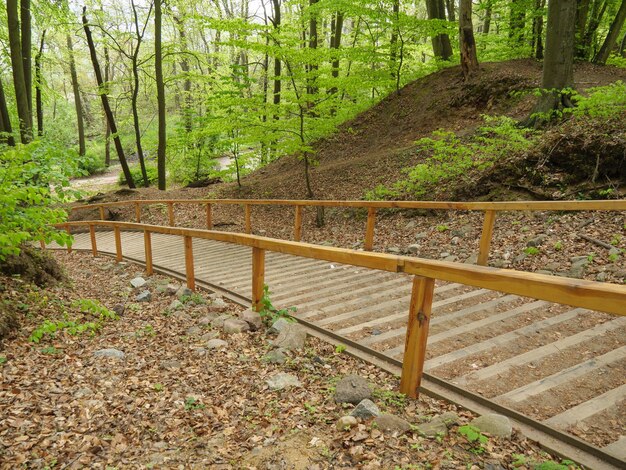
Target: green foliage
{"points": [[340, 348], [33, 179], [269, 313], [3, 360], [158, 387], [603, 102], [192, 403], [474, 437], [93, 161], [94, 308], [532, 250], [558, 246], [135, 171]]}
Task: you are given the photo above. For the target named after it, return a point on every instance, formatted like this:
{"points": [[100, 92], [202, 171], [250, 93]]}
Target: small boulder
{"points": [[218, 305], [253, 319], [537, 241], [276, 356], [346, 422], [615, 251], [171, 364], [172, 289], [207, 319], [392, 424], [109, 353], [283, 380], [279, 325], [118, 309], [175, 305], [414, 248], [366, 409], [353, 389], [144, 296], [394, 250], [234, 325], [291, 337], [194, 331], [216, 344], [494, 424], [138, 282], [218, 322], [183, 291]]}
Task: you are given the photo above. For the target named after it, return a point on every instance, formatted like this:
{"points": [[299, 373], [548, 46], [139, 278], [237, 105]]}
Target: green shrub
{"points": [[135, 171], [93, 161]]}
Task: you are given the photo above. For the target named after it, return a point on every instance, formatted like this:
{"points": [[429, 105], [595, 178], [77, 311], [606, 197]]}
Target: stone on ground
{"points": [[353, 389], [138, 282], [283, 380], [171, 289], [218, 305], [109, 353], [171, 364], [118, 309], [494, 424], [366, 409], [279, 325], [216, 344], [194, 331], [276, 356], [219, 321], [175, 305], [144, 296], [253, 319], [207, 319], [291, 337], [392, 424], [234, 325], [183, 291], [346, 422]]}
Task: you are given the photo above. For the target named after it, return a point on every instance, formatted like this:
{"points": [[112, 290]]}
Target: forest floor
{"points": [[170, 401]]}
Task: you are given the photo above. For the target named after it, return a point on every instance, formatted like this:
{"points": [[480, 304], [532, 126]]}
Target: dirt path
{"points": [[99, 182]]}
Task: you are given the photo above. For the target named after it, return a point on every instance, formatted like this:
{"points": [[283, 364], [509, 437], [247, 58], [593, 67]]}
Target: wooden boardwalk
{"points": [[564, 366]]}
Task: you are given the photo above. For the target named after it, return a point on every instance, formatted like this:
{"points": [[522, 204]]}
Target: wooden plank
{"points": [[118, 244], [42, 244], [369, 229], [589, 408], [485, 239], [417, 336], [297, 225], [502, 339], [248, 222], [94, 243], [209, 217], [258, 277], [147, 237], [563, 376], [189, 271], [536, 354], [101, 208]]}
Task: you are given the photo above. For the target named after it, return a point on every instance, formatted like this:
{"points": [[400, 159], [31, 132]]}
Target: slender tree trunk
{"points": [[312, 67], [184, 66], [77, 98], [622, 47], [598, 9], [26, 32], [5, 119], [558, 64], [38, 82], [158, 66], [277, 63], [105, 102], [582, 14], [17, 65], [393, 42], [107, 128], [467, 44], [441, 42], [487, 19], [517, 21], [450, 9], [538, 29], [611, 38], [335, 44]]}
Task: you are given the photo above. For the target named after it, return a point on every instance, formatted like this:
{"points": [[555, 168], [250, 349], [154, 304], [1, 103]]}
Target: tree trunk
{"points": [[312, 67], [487, 19], [582, 14], [17, 64], [335, 44], [25, 30], [38, 82], [611, 38], [538, 29], [467, 44], [517, 21], [441, 42], [277, 63], [597, 13], [558, 64], [184, 66], [105, 102], [5, 120], [450, 9], [622, 47], [77, 98], [158, 67], [107, 128]]}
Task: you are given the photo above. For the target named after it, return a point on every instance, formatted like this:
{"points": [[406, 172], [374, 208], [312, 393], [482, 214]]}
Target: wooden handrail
{"points": [[610, 298]]}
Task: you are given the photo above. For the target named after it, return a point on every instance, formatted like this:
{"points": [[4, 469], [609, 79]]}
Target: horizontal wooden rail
{"points": [[610, 298]]}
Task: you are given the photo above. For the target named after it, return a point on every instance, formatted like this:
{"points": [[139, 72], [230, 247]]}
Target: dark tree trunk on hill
{"points": [[467, 44], [27, 43], [184, 66], [158, 67], [335, 44], [558, 65], [611, 38], [107, 129], [441, 42], [277, 63], [5, 120], [105, 102], [582, 14], [311, 88], [598, 9], [450, 9], [78, 105], [38, 82], [17, 65], [538, 29], [393, 43], [487, 19]]}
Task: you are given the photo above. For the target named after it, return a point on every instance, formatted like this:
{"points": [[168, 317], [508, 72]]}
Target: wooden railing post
{"points": [[101, 213], [92, 234], [258, 277], [369, 230], [118, 244], [170, 213], [416, 335], [68, 229], [147, 241], [42, 244], [138, 212], [297, 227], [485, 239], [209, 217], [191, 279], [248, 223]]}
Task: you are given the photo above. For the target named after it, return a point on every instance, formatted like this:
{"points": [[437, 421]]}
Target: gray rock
{"points": [[144, 296], [537, 241], [183, 291], [171, 364], [500, 263], [276, 356], [353, 389], [172, 289], [253, 319], [521, 257], [455, 240], [376, 332], [392, 424], [576, 259], [194, 331], [394, 250], [138, 282], [199, 352], [219, 321], [209, 335], [366, 409], [346, 422], [279, 325], [433, 428], [494, 466], [293, 336], [451, 258], [216, 344], [473, 259], [207, 319], [118, 309], [109, 353], [449, 418], [444, 254], [552, 266], [175, 305], [601, 276], [283, 380], [234, 325], [414, 248], [218, 305], [421, 236], [614, 251], [494, 424]]}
